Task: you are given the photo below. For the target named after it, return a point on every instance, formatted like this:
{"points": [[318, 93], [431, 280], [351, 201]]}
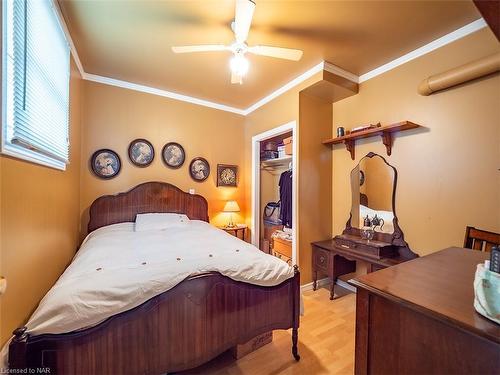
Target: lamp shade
{"points": [[231, 206]]}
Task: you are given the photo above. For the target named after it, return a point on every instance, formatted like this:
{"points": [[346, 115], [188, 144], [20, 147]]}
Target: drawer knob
{"points": [[322, 259]]}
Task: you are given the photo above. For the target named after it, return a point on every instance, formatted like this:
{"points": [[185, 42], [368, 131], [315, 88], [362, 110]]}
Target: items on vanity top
{"points": [[370, 225], [372, 233]]}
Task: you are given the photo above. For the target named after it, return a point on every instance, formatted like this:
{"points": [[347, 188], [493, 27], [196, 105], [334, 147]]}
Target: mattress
{"points": [[117, 269]]}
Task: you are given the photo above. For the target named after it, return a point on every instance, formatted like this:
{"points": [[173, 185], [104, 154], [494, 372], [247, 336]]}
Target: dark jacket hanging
{"points": [[285, 185]]}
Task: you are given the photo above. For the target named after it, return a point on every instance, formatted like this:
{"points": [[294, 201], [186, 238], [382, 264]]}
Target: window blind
{"points": [[38, 69]]}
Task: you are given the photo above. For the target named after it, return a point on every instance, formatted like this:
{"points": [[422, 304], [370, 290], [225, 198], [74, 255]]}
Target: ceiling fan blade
{"points": [[235, 78], [243, 19], [278, 52], [200, 48]]}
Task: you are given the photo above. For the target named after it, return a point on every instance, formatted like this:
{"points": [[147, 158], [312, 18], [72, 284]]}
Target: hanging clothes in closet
{"points": [[285, 185]]}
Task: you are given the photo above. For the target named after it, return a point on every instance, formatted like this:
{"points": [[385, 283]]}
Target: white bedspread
{"points": [[117, 269]]}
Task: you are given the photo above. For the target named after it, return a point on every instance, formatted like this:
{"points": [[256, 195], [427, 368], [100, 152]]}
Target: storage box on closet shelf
{"points": [[281, 151]]}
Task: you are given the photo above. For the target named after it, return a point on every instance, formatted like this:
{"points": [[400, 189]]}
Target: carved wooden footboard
{"points": [[180, 329]]}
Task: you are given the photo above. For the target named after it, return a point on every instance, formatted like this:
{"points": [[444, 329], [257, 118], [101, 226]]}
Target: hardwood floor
{"points": [[326, 342]]}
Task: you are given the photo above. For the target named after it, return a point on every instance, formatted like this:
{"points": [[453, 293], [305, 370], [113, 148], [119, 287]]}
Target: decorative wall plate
{"points": [[105, 163], [141, 152], [173, 155], [199, 169], [227, 175]]}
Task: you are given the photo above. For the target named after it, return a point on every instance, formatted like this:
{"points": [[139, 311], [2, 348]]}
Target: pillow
{"points": [[159, 221]]}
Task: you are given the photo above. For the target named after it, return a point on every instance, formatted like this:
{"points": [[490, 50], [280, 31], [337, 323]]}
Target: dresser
{"points": [[418, 317], [338, 256]]}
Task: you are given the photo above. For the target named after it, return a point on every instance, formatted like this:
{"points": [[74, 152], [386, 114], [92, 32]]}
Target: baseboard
{"points": [[346, 285], [309, 286], [326, 281]]}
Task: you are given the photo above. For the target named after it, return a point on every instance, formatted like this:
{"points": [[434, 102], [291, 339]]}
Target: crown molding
{"points": [[323, 65], [329, 67], [294, 82], [435, 44], [160, 92]]}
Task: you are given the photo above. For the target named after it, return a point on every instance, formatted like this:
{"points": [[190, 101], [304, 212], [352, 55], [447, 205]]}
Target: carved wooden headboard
{"points": [[146, 198]]}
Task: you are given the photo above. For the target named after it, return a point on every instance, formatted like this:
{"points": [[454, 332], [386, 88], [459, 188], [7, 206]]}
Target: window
{"points": [[35, 87]]}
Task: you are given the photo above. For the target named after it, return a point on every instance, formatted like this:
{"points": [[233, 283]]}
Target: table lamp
{"points": [[231, 206]]}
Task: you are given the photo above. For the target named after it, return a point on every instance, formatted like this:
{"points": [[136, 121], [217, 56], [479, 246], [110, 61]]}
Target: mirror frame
{"points": [[397, 237]]}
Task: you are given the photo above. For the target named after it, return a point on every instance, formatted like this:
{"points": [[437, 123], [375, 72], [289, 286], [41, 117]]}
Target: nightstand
{"points": [[235, 230]]}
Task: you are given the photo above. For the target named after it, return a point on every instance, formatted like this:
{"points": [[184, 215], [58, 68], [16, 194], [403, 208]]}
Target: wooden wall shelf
{"points": [[386, 132]]}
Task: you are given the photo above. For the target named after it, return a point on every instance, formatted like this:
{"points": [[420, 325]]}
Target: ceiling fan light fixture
{"points": [[241, 26], [239, 65]]}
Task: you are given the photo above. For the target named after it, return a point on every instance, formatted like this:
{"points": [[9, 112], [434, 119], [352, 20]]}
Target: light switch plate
{"points": [[3, 285]]}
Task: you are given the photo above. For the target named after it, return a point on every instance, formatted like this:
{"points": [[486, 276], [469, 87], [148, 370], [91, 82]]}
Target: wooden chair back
{"points": [[481, 240]]}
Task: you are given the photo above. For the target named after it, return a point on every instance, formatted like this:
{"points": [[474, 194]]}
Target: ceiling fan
{"points": [[240, 26]]}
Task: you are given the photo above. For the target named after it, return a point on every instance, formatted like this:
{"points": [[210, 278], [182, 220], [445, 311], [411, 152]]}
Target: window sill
{"points": [[31, 156]]}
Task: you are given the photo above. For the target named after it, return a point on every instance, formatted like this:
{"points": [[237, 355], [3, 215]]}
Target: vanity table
{"points": [[373, 187]]}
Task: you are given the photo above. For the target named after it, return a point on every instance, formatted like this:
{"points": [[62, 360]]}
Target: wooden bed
{"points": [[177, 330]]}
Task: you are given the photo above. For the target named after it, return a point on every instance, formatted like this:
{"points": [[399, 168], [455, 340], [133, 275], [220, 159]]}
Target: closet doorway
{"points": [[273, 161]]}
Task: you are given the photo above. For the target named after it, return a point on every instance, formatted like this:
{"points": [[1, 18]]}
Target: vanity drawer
{"points": [[321, 259], [374, 249], [346, 244]]}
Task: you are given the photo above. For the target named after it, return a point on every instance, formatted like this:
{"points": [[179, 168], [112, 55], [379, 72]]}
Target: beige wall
{"points": [[448, 172], [113, 117], [315, 182], [39, 224]]}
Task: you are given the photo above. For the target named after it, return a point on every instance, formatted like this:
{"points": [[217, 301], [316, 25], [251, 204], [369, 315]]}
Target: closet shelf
{"points": [[276, 163], [386, 132]]}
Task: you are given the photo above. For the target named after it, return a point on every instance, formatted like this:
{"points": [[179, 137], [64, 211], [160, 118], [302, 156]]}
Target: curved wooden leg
{"points": [[332, 293], [315, 280], [295, 339]]}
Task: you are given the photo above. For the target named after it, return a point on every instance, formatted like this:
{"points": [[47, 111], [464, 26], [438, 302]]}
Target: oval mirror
{"points": [[372, 186]]}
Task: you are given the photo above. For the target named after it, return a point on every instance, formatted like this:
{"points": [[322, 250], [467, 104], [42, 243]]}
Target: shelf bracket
{"points": [[349, 145], [387, 141]]}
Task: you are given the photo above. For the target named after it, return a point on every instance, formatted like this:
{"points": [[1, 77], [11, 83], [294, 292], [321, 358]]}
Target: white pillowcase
{"points": [[159, 221]]}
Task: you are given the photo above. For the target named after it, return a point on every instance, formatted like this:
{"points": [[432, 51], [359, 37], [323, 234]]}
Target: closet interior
{"points": [[276, 162]]}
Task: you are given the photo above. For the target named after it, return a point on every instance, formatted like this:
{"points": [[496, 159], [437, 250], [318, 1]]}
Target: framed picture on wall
{"points": [[173, 155], [199, 169], [227, 175], [105, 164], [141, 152]]}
